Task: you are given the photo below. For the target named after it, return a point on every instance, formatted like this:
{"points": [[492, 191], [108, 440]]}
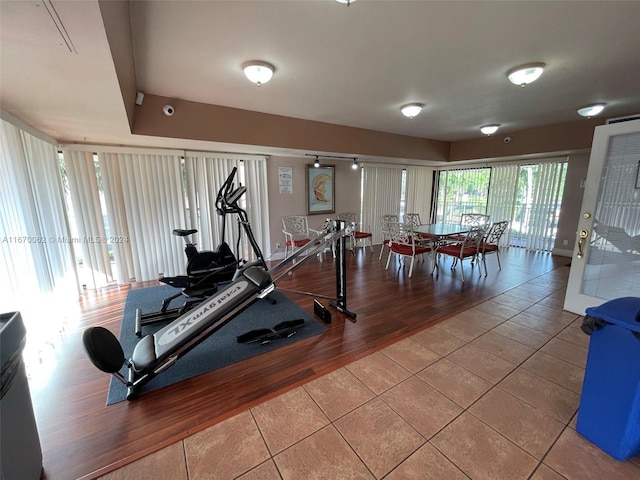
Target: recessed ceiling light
{"points": [[489, 129], [258, 72], [411, 109], [346, 2], [591, 110], [525, 74]]}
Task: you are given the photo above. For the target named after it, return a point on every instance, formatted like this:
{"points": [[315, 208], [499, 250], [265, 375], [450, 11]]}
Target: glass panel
{"points": [[614, 255], [462, 191], [529, 196]]}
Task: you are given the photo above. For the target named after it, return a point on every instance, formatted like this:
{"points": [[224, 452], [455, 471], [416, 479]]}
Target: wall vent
{"points": [[623, 119]]}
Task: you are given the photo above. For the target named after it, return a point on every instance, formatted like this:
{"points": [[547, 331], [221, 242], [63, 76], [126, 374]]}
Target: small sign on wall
{"points": [[285, 179]]}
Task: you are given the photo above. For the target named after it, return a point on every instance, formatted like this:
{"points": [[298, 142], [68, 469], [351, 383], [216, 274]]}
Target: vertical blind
{"points": [[257, 201], [37, 268], [502, 195], [146, 202], [206, 172], [149, 193], [381, 194], [33, 223], [545, 206], [117, 212], [87, 215], [205, 175], [419, 183]]}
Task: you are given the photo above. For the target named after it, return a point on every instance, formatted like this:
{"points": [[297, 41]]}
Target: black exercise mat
{"points": [[217, 350]]}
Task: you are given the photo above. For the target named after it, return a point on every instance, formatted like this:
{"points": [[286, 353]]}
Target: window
{"points": [[461, 191], [528, 195]]}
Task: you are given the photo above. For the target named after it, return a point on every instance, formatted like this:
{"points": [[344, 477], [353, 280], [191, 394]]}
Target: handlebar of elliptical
{"points": [[223, 193], [227, 202], [228, 196]]}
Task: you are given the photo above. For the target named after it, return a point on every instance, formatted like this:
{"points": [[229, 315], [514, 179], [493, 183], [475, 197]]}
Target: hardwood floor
{"points": [[81, 437]]}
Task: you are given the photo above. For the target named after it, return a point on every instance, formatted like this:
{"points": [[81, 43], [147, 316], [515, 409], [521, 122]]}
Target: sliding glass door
{"points": [[528, 195]]}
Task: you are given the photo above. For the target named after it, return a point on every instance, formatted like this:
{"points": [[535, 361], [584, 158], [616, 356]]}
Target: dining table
{"points": [[440, 234], [440, 231]]}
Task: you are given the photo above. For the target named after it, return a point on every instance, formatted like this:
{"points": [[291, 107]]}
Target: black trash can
{"points": [[21, 455], [609, 412]]}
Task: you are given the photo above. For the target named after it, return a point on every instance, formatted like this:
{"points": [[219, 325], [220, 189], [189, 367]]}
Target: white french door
{"points": [[606, 258]]}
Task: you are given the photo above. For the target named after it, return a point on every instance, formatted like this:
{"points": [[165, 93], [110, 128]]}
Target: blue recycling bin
{"points": [[609, 412]]}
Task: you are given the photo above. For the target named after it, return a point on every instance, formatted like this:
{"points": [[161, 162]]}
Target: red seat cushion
{"points": [[298, 243], [402, 249], [490, 247], [454, 251], [362, 234]]}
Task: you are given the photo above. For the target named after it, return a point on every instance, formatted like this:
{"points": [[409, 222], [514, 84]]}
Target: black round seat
{"points": [[178, 232], [104, 349]]}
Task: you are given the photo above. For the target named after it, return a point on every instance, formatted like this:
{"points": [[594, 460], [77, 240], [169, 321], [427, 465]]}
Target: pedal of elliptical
{"points": [[181, 281], [321, 312]]}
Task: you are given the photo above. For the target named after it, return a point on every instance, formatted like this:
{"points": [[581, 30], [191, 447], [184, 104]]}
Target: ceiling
{"points": [[352, 66]]}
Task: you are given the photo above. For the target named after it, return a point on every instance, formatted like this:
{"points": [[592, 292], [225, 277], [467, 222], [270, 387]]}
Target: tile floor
{"points": [[491, 393]]}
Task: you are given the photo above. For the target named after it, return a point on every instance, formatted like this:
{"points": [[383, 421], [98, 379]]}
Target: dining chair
{"points": [[474, 219], [403, 244], [364, 237], [467, 248], [297, 233], [412, 219], [491, 243], [384, 228]]}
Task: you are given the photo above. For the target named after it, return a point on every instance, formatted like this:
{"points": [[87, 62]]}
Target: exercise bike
{"points": [[205, 269], [200, 263]]}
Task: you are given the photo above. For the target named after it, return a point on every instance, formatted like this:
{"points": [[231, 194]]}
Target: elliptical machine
{"points": [[205, 269]]}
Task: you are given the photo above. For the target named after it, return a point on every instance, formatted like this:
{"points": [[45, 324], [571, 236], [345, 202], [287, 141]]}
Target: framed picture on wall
{"points": [[320, 189]]}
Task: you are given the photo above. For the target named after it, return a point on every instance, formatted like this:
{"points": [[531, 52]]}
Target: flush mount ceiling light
{"points": [[346, 2], [525, 74], [591, 110], [355, 164], [258, 72], [489, 129], [411, 109]]}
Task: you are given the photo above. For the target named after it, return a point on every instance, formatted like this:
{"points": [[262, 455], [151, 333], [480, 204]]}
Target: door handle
{"points": [[582, 237]]}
